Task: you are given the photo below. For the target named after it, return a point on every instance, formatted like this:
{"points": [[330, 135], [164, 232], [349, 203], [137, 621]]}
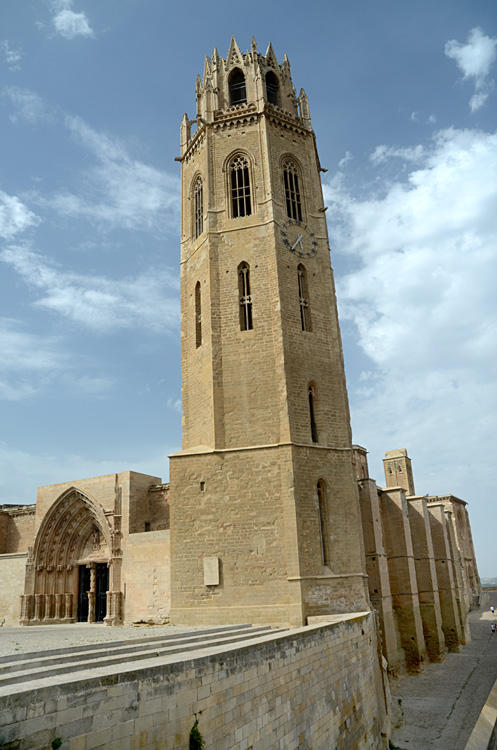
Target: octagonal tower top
{"points": [[246, 82]]}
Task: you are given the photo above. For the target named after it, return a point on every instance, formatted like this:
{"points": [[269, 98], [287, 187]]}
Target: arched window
{"points": [[198, 315], [292, 190], [246, 323], [238, 91], [198, 208], [240, 187], [272, 86], [312, 416], [323, 523], [305, 310]]}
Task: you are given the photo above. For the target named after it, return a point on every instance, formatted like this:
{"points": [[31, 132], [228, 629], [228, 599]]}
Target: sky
{"points": [[403, 101]]}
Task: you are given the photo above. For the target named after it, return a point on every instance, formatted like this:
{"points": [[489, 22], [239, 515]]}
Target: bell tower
{"points": [[265, 523]]}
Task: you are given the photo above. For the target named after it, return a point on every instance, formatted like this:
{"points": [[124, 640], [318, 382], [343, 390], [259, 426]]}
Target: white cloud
{"points": [[475, 60], [15, 217], [345, 160], [27, 363], [22, 472], [27, 105], [174, 404], [118, 191], [31, 363], [67, 23], [101, 304], [422, 299], [12, 57], [382, 153]]}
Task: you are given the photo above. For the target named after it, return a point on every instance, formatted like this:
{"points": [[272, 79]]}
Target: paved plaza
{"points": [[442, 705]]}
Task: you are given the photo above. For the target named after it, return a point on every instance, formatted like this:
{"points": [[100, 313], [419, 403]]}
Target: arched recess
{"points": [[238, 168], [272, 88], [237, 87], [74, 535]]}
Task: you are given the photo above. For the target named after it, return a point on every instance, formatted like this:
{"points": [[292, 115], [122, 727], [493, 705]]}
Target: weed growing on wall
{"points": [[196, 739]]}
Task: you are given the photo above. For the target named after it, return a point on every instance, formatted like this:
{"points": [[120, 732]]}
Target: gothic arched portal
{"points": [[73, 569]]}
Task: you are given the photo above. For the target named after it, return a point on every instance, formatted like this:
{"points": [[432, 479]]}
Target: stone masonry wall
{"points": [[317, 687], [146, 575], [12, 571]]}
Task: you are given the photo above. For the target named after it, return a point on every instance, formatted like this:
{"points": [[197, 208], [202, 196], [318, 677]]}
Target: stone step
{"points": [[103, 645], [148, 651]]}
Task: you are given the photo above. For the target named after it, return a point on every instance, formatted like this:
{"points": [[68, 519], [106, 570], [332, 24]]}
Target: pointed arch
{"points": [[237, 87], [74, 535], [245, 297], [323, 521], [292, 186], [73, 511], [311, 397], [304, 303], [239, 185], [198, 315], [198, 206], [272, 88]]}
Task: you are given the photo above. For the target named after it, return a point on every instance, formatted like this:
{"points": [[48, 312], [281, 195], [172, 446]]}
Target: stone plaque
{"points": [[211, 571]]}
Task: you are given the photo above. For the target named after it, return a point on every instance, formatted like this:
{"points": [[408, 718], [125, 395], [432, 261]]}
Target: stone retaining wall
{"points": [[317, 687]]}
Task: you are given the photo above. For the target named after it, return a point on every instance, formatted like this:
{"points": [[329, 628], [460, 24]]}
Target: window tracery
{"points": [[240, 187], [292, 190]]}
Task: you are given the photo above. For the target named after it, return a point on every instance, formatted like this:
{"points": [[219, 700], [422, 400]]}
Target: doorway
{"points": [[101, 587]]}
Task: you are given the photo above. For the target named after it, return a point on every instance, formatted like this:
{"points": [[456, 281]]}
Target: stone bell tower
{"points": [[265, 524]]}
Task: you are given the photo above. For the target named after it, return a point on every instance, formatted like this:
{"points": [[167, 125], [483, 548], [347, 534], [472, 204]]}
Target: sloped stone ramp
{"points": [[29, 670]]}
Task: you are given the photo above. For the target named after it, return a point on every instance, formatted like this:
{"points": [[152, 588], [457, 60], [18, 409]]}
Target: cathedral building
{"points": [[270, 515]]}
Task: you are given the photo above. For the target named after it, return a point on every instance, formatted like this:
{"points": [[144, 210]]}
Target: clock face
{"points": [[298, 239]]}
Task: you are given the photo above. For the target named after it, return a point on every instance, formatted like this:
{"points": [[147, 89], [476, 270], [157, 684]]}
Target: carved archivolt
{"points": [[64, 532]]}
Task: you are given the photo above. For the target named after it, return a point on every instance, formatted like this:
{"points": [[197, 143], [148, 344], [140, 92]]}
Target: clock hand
{"points": [[298, 241]]}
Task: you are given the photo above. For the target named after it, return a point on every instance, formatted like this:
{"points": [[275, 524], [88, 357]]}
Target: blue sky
{"points": [[403, 101]]}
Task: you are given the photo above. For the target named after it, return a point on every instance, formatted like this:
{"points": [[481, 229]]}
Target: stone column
{"points": [[26, 608], [59, 600], [68, 607], [48, 607], [39, 600], [92, 591]]}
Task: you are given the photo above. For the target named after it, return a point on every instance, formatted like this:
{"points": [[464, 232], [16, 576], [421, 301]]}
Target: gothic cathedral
{"points": [[265, 522]]}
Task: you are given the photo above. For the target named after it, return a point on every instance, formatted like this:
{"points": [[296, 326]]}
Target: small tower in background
{"points": [[398, 470]]}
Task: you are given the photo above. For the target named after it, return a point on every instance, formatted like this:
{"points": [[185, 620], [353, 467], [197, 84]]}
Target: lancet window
{"points": [[312, 413], [240, 187], [323, 523], [292, 190], [272, 86], [198, 208], [238, 90], [246, 322], [198, 315], [305, 310]]}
